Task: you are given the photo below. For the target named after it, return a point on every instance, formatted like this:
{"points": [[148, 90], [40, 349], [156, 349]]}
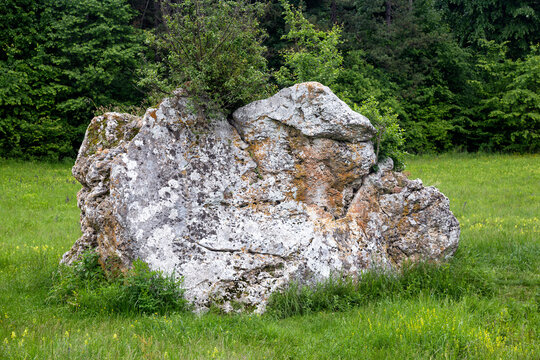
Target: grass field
{"points": [[496, 199]]}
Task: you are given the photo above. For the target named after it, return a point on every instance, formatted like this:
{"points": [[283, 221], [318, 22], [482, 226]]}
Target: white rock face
{"points": [[239, 209]]}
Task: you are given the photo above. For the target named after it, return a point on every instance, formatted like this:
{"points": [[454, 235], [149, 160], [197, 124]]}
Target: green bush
{"points": [[389, 139], [86, 286], [213, 50], [338, 293]]}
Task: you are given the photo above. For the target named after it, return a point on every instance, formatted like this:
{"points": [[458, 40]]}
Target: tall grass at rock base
{"points": [[451, 281], [496, 198], [86, 286]]}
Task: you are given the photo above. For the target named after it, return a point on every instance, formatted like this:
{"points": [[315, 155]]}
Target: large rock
{"points": [[284, 191]]}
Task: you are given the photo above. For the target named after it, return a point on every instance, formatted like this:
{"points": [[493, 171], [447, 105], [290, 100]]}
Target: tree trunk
{"points": [[388, 15]]}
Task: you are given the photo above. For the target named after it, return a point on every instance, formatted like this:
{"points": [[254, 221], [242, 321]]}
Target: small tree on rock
{"points": [[212, 49]]}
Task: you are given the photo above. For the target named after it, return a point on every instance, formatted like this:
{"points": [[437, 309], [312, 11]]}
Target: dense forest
{"points": [[454, 74]]}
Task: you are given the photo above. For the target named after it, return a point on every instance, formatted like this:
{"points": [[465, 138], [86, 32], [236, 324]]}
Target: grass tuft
{"points": [[85, 286]]}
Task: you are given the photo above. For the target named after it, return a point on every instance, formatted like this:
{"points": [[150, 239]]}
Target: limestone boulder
{"points": [[283, 191]]}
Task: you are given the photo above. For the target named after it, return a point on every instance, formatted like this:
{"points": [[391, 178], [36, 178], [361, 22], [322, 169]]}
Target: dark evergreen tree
{"points": [[507, 101], [516, 22]]}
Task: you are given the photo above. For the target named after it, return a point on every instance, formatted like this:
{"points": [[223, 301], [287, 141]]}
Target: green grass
{"points": [[496, 199], [453, 280]]}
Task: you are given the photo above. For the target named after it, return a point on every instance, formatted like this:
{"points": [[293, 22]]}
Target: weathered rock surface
{"points": [[283, 192]]}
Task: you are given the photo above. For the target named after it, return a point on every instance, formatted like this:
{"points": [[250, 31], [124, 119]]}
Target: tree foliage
{"points": [[508, 95], [61, 59], [459, 74], [516, 22], [314, 54]]}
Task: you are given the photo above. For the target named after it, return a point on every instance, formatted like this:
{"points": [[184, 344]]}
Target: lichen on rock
{"points": [[283, 191]]}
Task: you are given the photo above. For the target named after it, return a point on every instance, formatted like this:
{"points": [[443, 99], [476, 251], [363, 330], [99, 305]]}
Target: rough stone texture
{"points": [[283, 192]]}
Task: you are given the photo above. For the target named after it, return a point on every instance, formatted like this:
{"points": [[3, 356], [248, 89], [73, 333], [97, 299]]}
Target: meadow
{"points": [[496, 199]]}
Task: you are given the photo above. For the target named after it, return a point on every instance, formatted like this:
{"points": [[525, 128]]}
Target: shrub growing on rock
{"points": [[389, 140], [213, 50]]}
